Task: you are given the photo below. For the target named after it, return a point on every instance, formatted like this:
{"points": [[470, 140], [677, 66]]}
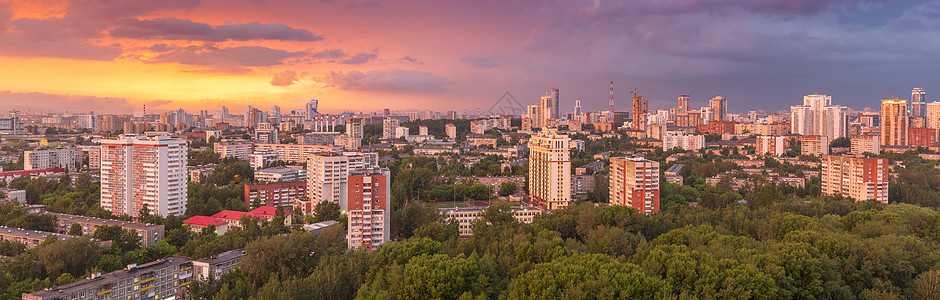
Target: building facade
{"points": [[862, 144], [856, 177], [770, 145], [550, 169], [275, 194], [144, 171], [634, 182], [166, 278], [894, 122], [369, 207], [50, 158]]}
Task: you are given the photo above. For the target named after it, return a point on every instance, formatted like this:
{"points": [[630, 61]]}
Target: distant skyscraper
{"points": [[577, 110], [640, 108], [684, 103], [894, 122], [549, 110], [276, 114], [719, 107], [556, 114], [932, 115], [918, 101], [534, 112], [386, 112]]}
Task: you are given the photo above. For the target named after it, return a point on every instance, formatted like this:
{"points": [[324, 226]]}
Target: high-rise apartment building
{"points": [[328, 172], [549, 107], [139, 171], [770, 145], [50, 158], [918, 102], [894, 122], [856, 177], [634, 182], [534, 112], [640, 109], [389, 128], [817, 116], [921, 137], [862, 144], [369, 208], [354, 127], [719, 107], [550, 169]]}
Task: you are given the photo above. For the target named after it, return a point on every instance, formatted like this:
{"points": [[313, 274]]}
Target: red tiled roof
{"points": [[204, 221], [31, 172], [230, 215], [268, 211]]}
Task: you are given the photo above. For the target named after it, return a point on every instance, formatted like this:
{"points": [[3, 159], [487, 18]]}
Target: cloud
{"points": [[226, 60], [180, 29], [285, 78], [485, 62], [43, 102], [410, 59], [393, 81], [359, 58]]}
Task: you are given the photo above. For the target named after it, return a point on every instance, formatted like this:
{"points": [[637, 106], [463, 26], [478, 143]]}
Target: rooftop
{"points": [[222, 257], [204, 221], [129, 272], [103, 222]]}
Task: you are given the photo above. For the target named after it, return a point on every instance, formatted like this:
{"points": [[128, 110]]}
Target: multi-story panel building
{"points": [[451, 131], [862, 144], [259, 160], [354, 127], [550, 169], [144, 171], [30, 238], [213, 267], [275, 194], [369, 207], [932, 115], [634, 182], [93, 154], [770, 145], [50, 158], [467, 216], [681, 140], [389, 128], [327, 178], [281, 174], [165, 278], [149, 234], [856, 177], [240, 151], [295, 153], [817, 116], [814, 145], [894, 122]]}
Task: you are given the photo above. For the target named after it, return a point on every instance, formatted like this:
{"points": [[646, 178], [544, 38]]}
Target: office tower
{"points": [[817, 116], [534, 112], [354, 127], [684, 103], [555, 107], [577, 111], [634, 182], [815, 145], [894, 122], [548, 109], [369, 208], [681, 140], [276, 114], [862, 144], [856, 177], [253, 116], [311, 108], [550, 169], [389, 128], [918, 102], [222, 114], [451, 131], [139, 171], [770, 145], [50, 158], [640, 109], [266, 133], [719, 107]]}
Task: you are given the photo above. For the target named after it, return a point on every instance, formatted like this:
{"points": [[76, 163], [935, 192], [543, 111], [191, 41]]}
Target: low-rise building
{"points": [[30, 238], [149, 234], [672, 174], [199, 223], [217, 265], [466, 216]]}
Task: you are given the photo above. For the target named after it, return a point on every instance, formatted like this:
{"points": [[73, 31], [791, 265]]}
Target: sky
{"points": [[115, 56]]}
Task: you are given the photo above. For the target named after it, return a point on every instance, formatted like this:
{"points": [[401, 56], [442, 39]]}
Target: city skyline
{"points": [[200, 55]]}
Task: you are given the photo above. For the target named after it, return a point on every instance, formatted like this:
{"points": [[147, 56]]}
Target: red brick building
{"points": [[275, 194], [717, 127], [368, 210], [921, 137]]}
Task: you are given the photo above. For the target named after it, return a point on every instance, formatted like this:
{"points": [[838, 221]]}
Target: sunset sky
{"points": [[114, 56]]}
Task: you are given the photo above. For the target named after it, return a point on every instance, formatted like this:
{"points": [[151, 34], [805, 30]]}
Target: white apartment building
{"points": [[673, 139], [260, 159], [281, 174], [817, 116], [451, 131], [550, 169], [50, 158], [389, 128], [634, 182], [328, 172], [293, 152], [770, 145], [138, 171], [240, 151]]}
